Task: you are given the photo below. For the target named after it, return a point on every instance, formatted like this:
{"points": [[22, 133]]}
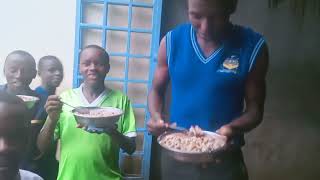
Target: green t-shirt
{"points": [[84, 155]]}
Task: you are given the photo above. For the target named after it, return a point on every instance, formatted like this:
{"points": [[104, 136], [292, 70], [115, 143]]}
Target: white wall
{"points": [[41, 27]]}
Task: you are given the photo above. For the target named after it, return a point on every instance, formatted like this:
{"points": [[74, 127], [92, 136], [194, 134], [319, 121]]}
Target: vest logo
{"points": [[230, 65]]}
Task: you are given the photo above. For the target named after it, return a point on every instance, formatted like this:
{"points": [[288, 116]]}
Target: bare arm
{"points": [[157, 92], [45, 138], [255, 93]]}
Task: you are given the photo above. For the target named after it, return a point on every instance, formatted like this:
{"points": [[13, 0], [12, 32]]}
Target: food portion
{"points": [[28, 98], [98, 112], [193, 141]]}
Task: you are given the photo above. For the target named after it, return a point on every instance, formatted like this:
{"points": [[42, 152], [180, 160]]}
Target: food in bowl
{"points": [[191, 142], [98, 113]]}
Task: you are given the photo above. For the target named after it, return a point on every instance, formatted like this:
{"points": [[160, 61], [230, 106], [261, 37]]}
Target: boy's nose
{"points": [[92, 66], [57, 72]]}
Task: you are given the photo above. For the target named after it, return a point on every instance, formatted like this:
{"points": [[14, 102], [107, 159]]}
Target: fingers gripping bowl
{"points": [[187, 147], [98, 117]]}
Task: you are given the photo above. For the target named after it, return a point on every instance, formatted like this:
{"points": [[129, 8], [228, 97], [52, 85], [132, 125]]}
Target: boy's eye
{"points": [[196, 16], [99, 64], [12, 70], [85, 63], [51, 70]]}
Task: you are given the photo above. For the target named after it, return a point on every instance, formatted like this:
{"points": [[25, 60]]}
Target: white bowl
{"points": [[108, 119], [29, 101]]}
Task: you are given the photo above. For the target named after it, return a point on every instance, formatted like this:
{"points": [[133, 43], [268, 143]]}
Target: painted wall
{"points": [[286, 145], [41, 28]]}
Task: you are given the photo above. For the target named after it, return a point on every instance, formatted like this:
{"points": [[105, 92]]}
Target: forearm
{"points": [[45, 138], [155, 103], [125, 143], [249, 120], [255, 94]]}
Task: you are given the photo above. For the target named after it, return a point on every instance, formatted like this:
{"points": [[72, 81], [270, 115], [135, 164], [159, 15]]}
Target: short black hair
{"points": [[93, 46], [47, 58], [24, 54], [230, 6]]}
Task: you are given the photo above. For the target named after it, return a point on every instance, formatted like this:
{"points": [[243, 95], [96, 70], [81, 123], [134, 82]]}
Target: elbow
{"points": [[42, 145]]}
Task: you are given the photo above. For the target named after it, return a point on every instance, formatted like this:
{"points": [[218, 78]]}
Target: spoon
{"points": [[81, 110]]}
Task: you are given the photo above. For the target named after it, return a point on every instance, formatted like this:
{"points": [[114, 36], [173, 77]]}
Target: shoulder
{"points": [[182, 28], [246, 36], [27, 175]]}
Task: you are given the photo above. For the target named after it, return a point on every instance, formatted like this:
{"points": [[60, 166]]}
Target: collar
{"points": [[97, 101]]}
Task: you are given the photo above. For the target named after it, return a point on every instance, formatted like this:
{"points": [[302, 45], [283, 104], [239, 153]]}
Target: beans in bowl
{"points": [[97, 113], [189, 142]]}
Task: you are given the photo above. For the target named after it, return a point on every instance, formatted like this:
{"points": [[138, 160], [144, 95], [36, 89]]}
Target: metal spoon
{"points": [[81, 110], [176, 128]]}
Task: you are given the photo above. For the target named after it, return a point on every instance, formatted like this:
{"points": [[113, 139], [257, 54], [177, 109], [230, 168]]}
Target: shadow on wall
{"points": [[286, 145]]}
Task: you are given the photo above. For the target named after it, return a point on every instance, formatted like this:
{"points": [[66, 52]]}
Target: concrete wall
{"points": [[286, 145], [41, 28]]}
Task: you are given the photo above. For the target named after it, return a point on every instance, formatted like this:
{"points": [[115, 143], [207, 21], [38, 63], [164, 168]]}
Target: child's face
{"points": [[93, 66], [19, 72], [51, 73], [13, 140]]}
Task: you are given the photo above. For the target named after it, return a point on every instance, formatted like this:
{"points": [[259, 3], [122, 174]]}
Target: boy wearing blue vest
{"points": [[217, 71]]}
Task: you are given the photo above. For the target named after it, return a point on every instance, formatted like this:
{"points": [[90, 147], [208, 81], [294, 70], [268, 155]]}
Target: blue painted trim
{"points": [[77, 44], [139, 56], [126, 65], [104, 23], [156, 25], [113, 28], [116, 2]]}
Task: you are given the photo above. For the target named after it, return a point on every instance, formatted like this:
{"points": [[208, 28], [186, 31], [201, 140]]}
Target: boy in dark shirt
{"points": [[14, 136], [20, 70], [50, 71]]}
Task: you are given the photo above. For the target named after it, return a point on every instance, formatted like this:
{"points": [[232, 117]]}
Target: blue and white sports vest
{"points": [[209, 92]]}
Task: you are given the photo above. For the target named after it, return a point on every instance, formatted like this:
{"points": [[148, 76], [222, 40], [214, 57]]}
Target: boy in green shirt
{"points": [[86, 155]]}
